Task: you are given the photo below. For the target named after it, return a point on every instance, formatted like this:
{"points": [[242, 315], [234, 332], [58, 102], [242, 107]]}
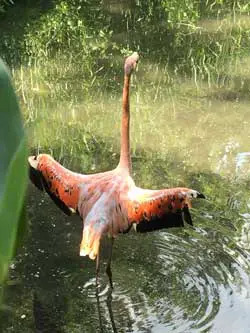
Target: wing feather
{"points": [[156, 209], [60, 183]]}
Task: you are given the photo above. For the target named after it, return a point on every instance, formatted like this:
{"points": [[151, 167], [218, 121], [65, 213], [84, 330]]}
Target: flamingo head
{"points": [[130, 63]]}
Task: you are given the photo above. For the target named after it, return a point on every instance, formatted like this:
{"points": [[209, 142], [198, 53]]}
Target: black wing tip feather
{"points": [[200, 195], [169, 220]]}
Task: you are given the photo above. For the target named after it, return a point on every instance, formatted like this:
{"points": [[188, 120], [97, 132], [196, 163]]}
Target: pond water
{"points": [[183, 132], [177, 280]]}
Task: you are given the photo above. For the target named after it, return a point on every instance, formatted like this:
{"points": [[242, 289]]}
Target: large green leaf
{"points": [[13, 169]]}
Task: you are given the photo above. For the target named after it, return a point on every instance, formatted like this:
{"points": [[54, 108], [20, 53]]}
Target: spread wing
{"points": [[148, 209], [60, 184], [156, 209]]}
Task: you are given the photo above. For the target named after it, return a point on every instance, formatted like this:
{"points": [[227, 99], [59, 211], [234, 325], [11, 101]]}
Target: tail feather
{"points": [[93, 230], [90, 243]]}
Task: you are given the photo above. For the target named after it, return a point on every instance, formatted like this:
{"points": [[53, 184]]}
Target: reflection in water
{"points": [[110, 318], [49, 314]]}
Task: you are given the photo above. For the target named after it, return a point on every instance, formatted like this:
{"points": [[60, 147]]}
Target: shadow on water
{"points": [[179, 280]]}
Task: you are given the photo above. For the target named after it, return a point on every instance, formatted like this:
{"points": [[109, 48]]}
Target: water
{"points": [[178, 280], [183, 132]]}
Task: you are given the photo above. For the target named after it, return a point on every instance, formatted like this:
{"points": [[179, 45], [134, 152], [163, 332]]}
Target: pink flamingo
{"points": [[110, 202]]}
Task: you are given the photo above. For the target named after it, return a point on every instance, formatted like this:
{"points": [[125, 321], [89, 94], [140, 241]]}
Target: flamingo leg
{"points": [[108, 268], [97, 270], [99, 312], [109, 305]]}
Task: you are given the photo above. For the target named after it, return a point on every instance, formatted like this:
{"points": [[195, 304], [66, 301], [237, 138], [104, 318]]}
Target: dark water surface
{"points": [[178, 280]]}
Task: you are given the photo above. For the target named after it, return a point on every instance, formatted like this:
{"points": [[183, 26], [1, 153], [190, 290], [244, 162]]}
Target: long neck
{"points": [[125, 160]]}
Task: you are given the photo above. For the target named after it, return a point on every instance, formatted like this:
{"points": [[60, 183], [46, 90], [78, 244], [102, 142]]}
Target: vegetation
{"points": [[13, 170], [194, 36], [4, 4]]}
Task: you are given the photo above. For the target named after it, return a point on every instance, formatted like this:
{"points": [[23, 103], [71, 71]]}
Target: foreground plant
{"points": [[13, 171]]}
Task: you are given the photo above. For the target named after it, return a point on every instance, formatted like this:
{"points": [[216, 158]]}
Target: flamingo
{"points": [[109, 203]]}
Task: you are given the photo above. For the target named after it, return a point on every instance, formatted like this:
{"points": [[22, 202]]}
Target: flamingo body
{"points": [[110, 202]]}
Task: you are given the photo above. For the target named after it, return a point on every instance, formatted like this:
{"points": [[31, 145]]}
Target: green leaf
{"points": [[13, 169], [11, 130], [11, 206]]}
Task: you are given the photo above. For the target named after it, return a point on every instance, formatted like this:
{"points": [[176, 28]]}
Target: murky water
{"points": [[181, 280]]}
